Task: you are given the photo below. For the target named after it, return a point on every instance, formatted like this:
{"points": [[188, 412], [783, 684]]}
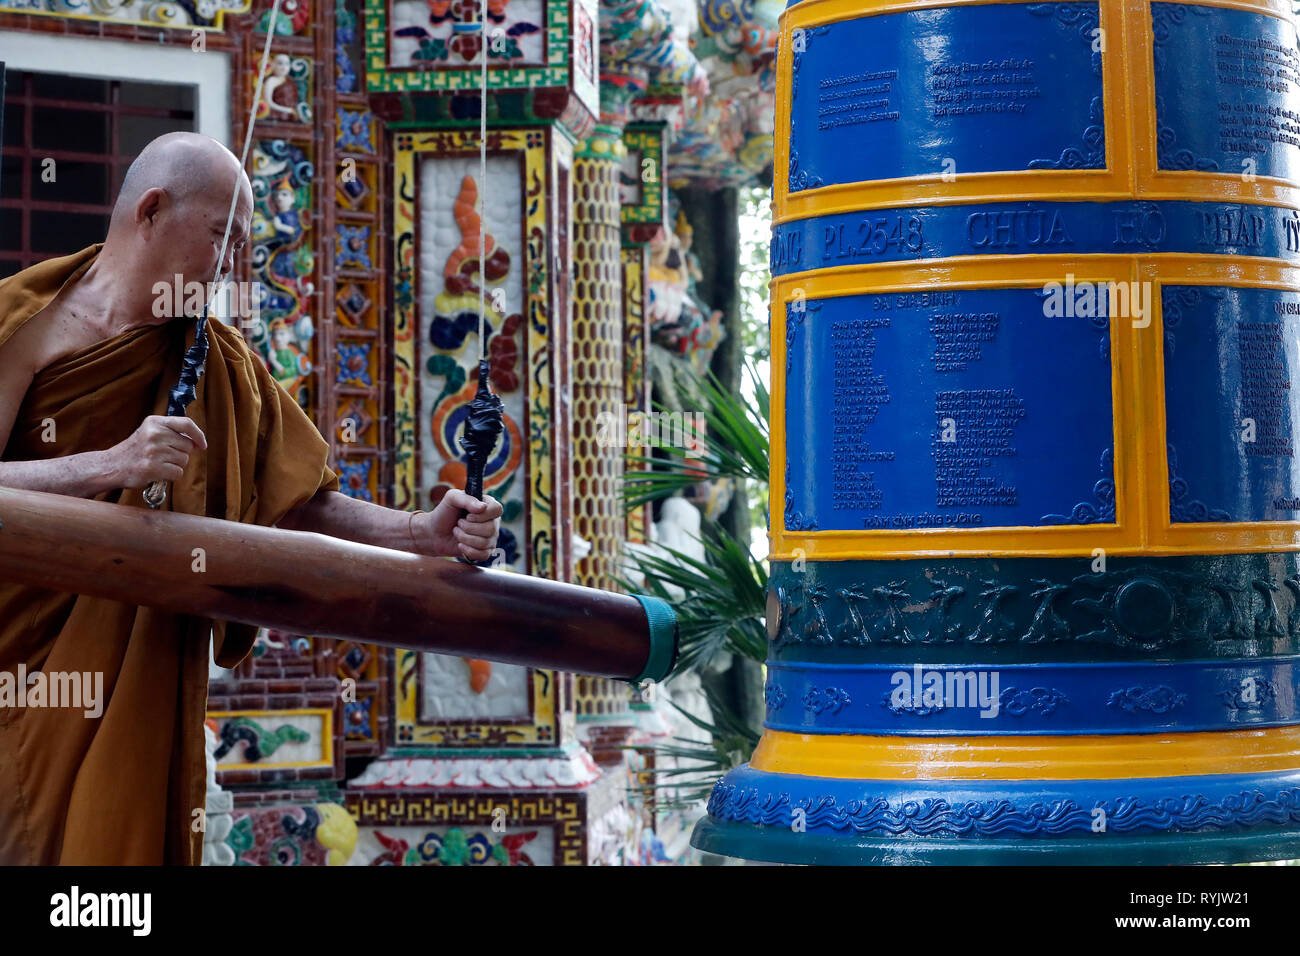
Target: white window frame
{"points": [[141, 62]]}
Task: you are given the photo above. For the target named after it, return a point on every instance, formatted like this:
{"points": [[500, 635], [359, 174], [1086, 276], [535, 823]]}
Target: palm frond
{"points": [[734, 444], [686, 770], [725, 596]]}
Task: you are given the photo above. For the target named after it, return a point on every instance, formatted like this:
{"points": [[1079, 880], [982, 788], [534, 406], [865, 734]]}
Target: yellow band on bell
{"points": [[1094, 757]]}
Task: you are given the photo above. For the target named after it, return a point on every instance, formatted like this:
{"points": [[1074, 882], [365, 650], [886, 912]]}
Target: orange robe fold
{"points": [[124, 788]]}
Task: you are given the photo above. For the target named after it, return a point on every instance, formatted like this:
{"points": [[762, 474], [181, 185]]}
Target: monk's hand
{"points": [[157, 451], [444, 532]]}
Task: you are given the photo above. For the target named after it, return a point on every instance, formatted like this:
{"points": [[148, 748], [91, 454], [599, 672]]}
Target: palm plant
{"points": [[725, 593], [693, 766], [720, 597], [735, 445]]}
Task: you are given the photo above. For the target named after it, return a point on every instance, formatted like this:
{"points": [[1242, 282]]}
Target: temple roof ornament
{"points": [[205, 15]]}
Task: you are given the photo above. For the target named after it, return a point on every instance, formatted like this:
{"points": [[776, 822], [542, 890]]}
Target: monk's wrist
{"points": [[421, 536], [103, 473], [412, 532]]}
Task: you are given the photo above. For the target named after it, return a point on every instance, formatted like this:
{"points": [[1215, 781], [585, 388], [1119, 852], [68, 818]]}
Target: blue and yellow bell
{"points": [[1034, 478]]}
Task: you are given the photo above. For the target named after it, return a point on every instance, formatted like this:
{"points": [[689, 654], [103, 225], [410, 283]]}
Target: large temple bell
{"points": [[1034, 483]]}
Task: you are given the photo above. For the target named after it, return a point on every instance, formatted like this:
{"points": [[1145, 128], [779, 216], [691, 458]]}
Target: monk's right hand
{"points": [[157, 451]]}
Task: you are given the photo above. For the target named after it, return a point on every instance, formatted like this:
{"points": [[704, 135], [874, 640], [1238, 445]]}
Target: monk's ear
{"points": [[148, 206]]}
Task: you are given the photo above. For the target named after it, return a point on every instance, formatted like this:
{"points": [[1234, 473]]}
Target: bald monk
{"points": [[85, 367]]}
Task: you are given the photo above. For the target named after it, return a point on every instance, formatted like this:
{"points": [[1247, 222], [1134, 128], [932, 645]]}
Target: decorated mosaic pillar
{"points": [[598, 379], [640, 51], [599, 400], [616, 172], [634, 262], [481, 763], [1034, 529], [358, 386], [642, 211]]}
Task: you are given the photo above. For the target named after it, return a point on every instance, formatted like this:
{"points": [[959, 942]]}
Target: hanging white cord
{"points": [[156, 493], [248, 141], [482, 185]]}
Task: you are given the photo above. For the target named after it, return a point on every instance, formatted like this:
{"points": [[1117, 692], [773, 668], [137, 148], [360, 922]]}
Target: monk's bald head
{"points": [[184, 164], [171, 212]]}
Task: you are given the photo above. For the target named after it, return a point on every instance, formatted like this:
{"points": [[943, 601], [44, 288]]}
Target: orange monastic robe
{"points": [[123, 788]]}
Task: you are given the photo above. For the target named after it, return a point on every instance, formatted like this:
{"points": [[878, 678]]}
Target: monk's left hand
{"points": [[445, 532]]}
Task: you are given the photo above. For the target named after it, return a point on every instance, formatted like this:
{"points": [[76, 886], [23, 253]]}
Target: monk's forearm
{"points": [[337, 515], [82, 476]]}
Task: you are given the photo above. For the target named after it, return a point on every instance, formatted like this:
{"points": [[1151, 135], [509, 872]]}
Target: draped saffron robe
{"points": [[126, 787]]}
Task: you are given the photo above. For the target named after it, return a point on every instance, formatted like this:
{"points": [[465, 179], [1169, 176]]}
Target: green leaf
{"points": [[735, 445], [725, 597], [698, 765]]}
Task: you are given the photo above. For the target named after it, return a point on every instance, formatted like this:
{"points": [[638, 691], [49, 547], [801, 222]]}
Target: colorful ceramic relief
{"points": [[309, 835], [347, 51], [355, 131], [294, 19], [437, 32], [435, 45], [457, 688], [562, 819], [283, 262], [472, 247], [453, 846], [209, 15], [286, 90], [274, 739], [641, 176], [355, 479], [462, 247], [458, 702], [641, 32], [678, 319], [569, 768]]}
